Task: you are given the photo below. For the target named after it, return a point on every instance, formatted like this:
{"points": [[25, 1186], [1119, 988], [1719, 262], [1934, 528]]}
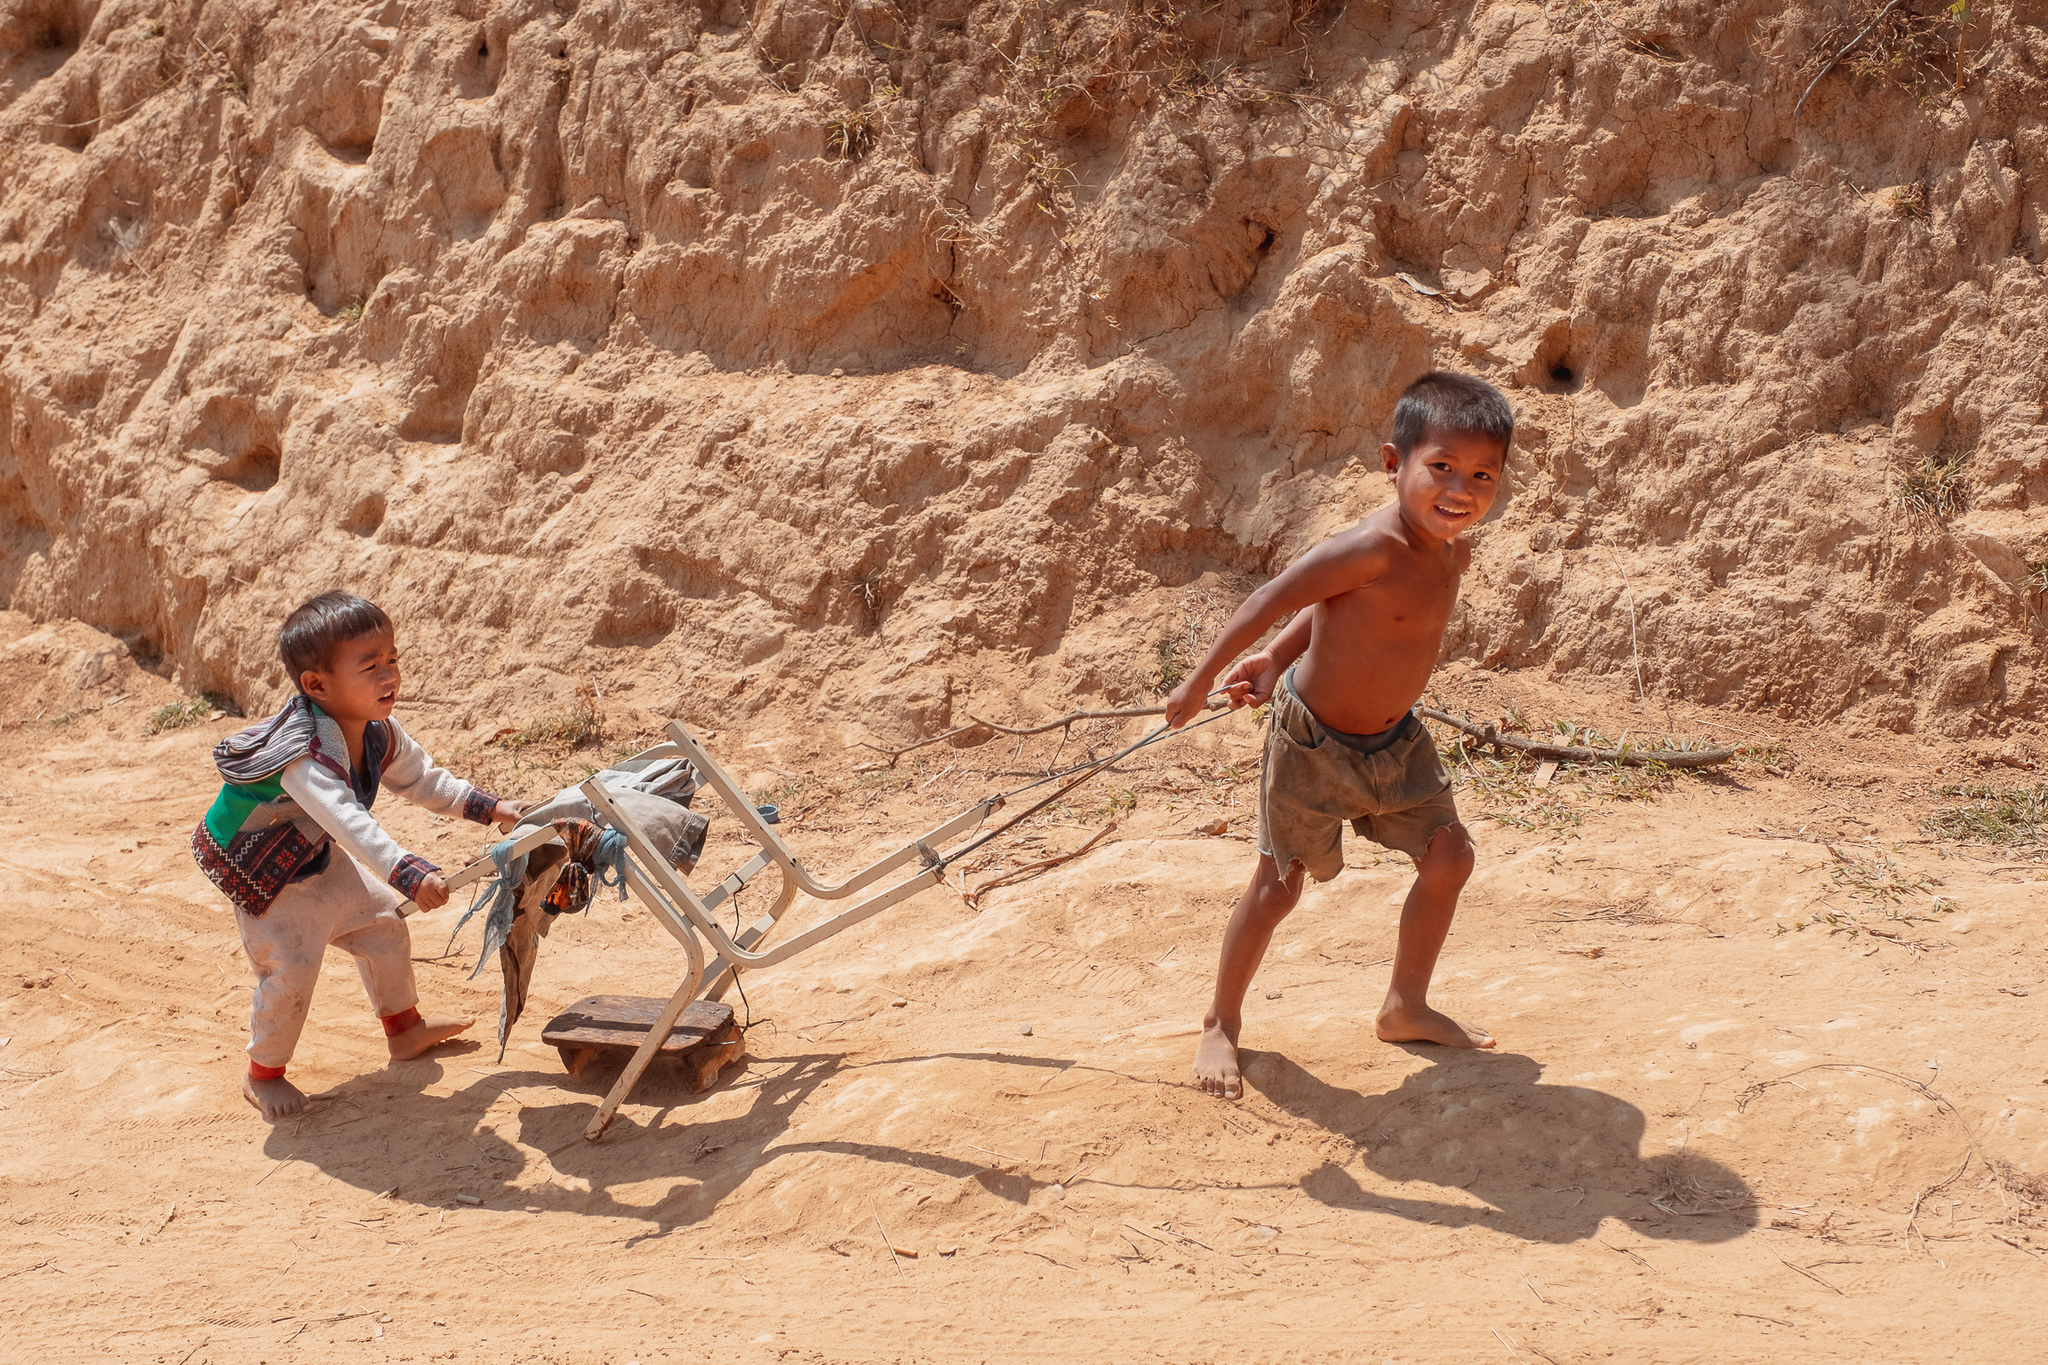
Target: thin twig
{"points": [[1810, 1275], [1075, 717], [1185, 1238], [1626, 1252], [1853, 44], [1911, 1226], [1063, 724], [1761, 1318], [885, 1237], [893, 754], [1641, 696]]}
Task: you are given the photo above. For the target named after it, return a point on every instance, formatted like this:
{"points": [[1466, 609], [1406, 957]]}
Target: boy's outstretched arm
{"points": [[1338, 565]]}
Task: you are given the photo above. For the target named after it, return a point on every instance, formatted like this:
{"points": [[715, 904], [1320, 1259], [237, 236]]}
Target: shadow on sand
{"points": [[384, 1131], [1548, 1161], [1542, 1162]]}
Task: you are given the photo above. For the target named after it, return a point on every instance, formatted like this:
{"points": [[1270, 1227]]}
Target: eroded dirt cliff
{"points": [[842, 358]]}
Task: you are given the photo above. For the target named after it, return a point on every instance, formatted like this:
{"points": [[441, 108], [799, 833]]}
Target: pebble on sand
{"points": [[1024, 1029]]}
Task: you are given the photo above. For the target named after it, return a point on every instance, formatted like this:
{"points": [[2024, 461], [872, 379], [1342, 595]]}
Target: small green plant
{"points": [[1117, 803], [2036, 581], [1993, 815], [1189, 77], [1171, 670], [1934, 487], [351, 312], [1877, 880], [178, 715]]}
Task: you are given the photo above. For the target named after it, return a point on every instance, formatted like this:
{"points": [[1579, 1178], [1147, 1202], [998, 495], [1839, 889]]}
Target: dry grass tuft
{"points": [[1934, 487], [1994, 815], [850, 133], [579, 727], [179, 714]]}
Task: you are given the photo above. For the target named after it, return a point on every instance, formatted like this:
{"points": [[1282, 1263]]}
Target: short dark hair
{"points": [[321, 626], [1445, 401]]}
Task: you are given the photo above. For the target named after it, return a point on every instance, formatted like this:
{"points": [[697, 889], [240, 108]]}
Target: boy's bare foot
{"points": [[1405, 1024], [423, 1035], [278, 1099], [1216, 1062]]}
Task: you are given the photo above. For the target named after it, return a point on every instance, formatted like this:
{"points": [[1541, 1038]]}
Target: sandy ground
{"points": [[1705, 1134]]}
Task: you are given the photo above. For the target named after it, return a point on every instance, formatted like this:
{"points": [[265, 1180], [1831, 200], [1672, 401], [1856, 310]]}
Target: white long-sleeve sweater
{"points": [[325, 797]]}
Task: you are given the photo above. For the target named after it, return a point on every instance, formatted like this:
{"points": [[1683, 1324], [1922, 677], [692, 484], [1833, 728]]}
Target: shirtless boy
{"points": [[1371, 604], [296, 786]]}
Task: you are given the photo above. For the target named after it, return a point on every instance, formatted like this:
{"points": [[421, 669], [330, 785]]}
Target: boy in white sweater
{"points": [[295, 786]]}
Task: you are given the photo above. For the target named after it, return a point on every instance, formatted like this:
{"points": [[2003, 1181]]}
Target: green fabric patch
{"points": [[224, 819], [231, 808]]}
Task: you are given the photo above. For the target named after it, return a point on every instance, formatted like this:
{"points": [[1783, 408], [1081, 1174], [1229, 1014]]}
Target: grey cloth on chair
{"points": [[654, 795]]}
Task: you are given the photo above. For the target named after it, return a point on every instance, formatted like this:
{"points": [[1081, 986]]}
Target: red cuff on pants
{"points": [[395, 1024], [260, 1072]]}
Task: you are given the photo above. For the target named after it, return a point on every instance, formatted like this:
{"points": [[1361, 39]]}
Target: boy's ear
{"points": [[313, 683], [1390, 457]]}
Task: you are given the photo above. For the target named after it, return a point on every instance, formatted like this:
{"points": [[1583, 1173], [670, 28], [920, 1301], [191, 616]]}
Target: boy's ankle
{"points": [[401, 1022], [260, 1072]]}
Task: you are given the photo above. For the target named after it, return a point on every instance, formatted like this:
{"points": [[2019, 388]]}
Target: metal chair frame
{"points": [[688, 916]]}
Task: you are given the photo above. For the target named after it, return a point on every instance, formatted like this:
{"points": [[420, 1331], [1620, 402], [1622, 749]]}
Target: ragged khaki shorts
{"points": [[1398, 797]]}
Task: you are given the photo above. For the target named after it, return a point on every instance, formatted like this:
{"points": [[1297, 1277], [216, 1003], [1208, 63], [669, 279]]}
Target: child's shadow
{"points": [[385, 1131], [1550, 1162]]}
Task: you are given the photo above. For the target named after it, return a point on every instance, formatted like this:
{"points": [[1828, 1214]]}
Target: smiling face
{"points": [[361, 681], [1447, 482]]}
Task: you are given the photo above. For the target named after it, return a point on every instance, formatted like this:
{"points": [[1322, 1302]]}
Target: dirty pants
{"points": [[286, 943]]}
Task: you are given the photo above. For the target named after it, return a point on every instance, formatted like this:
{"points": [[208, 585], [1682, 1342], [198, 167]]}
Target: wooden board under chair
{"points": [[609, 1028]]}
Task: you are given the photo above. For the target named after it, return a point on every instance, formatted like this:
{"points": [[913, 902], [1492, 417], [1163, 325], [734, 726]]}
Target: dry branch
{"points": [[893, 754], [1074, 717], [1579, 753], [973, 898], [1070, 719], [1854, 43]]}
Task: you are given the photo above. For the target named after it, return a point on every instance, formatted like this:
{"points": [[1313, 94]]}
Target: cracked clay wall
{"points": [[842, 358]]}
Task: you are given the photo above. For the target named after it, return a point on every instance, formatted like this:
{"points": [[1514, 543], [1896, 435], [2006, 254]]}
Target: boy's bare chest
{"points": [[1418, 604]]}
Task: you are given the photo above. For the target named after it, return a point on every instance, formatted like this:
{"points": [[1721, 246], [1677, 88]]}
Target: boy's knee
{"points": [[1450, 853], [1275, 895], [1277, 901]]}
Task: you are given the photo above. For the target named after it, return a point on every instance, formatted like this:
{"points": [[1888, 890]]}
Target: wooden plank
{"points": [[622, 1021], [616, 1030]]}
